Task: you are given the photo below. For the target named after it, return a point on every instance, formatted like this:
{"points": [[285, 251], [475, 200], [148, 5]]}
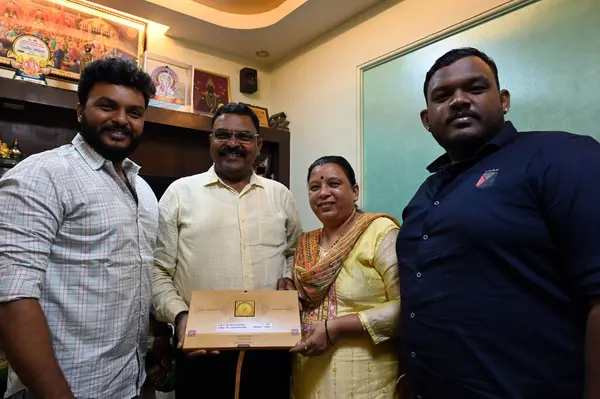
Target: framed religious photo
{"points": [[173, 81], [261, 113], [62, 36], [211, 91]]}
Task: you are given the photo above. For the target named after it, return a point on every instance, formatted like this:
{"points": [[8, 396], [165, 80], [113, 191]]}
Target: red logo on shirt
{"points": [[487, 178]]}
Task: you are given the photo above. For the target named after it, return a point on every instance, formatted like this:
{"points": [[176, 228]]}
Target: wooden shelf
{"points": [[175, 143]]}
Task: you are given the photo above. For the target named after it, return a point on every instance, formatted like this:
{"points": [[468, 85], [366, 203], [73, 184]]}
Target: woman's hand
{"points": [[315, 342], [287, 284]]}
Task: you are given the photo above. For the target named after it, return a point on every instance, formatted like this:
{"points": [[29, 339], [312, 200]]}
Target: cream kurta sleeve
{"points": [[293, 228], [166, 299], [382, 321]]}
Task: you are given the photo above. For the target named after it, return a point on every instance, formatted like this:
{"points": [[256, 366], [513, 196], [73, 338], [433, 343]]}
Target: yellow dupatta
{"points": [[315, 273]]}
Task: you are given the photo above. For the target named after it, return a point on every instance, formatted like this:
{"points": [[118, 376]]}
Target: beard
{"points": [[93, 136]]}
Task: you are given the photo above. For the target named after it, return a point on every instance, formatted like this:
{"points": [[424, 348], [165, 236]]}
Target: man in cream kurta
{"points": [[225, 229], [213, 238]]}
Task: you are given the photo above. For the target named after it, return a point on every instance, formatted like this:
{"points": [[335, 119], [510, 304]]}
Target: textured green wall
{"points": [[548, 56]]}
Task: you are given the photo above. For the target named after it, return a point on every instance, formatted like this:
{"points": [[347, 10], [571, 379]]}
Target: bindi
{"points": [[322, 177]]}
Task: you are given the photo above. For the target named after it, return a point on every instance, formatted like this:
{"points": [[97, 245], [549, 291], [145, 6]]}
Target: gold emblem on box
{"points": [[244, 308]]}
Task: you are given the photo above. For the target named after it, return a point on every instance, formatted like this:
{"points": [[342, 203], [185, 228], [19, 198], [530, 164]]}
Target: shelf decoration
{"points": [[279, 121], [9, 156], [262, 114], [57, 38], [173, 81], [211, 91]]}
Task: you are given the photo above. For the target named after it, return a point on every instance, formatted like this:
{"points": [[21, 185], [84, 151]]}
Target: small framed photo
{"points": [[262, 113], [211, 91], [173, 81]]}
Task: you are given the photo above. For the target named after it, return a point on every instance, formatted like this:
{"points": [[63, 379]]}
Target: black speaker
{"points": [[248, 80]]}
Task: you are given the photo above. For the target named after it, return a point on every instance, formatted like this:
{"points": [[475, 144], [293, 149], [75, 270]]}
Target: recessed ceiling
{"points": [[242, 6], [282, 30]]}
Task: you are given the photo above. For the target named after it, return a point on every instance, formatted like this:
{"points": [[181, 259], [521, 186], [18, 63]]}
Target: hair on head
{"points": [[339, 161], [237, 109], [116, 71], [457, 54]]}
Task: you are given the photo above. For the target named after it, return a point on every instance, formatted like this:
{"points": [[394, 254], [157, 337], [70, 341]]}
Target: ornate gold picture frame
{"points": [[75, 32]]}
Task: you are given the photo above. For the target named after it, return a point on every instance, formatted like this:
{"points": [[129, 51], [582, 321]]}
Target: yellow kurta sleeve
{"points": [[382, 321]]}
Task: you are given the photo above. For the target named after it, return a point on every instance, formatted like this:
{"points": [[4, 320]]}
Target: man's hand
{"points": [[286, 284], [180, 331], [162, 352], [25, 337]]}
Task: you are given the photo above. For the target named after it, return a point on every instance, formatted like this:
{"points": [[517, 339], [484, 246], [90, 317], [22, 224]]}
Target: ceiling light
{"points": [[262, 53]]}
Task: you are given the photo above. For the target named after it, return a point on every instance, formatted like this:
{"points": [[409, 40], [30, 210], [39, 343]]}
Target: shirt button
{"points": [[419, 274], [436, 203], [412, 315], [413, 354], [425, 237]]}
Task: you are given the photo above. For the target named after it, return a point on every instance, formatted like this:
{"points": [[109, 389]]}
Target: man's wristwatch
{"points": [[165, 330]]}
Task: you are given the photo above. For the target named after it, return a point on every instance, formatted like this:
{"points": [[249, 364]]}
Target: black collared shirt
{"points": [[498, 258]]}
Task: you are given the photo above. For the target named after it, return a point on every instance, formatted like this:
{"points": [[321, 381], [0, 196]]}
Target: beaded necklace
{"points": [[348, 223]]}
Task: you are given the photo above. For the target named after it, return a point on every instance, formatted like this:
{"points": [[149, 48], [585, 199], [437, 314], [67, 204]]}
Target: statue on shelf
{"points": [[8, 159], [86, 57], [279, 121], [15, 151], [4, 150]]}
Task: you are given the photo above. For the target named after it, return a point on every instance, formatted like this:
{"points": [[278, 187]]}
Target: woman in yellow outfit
{"points": [[346, 274]]}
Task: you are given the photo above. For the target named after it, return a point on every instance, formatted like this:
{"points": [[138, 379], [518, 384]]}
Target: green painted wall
{"points": [[548, 56]]}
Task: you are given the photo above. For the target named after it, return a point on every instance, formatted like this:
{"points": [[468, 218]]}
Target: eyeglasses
{"points": [[225, 135]]}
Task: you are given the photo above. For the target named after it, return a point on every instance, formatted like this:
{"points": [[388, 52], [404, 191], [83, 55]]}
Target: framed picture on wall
{"points": [[172, 79], [211, 91], [262, 113], [74, 34], [262, 164]]}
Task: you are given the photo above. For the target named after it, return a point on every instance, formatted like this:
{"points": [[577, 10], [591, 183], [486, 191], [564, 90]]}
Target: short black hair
{"points": [[116, 71], [237, 109], [339, 161], [457, 54]]}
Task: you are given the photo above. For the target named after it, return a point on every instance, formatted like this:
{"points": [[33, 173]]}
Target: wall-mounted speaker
{"points": [[248, 80]]}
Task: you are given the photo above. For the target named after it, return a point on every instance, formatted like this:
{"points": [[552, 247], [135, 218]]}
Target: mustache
{"points": [[112, 128], [462, 114], [233, 150]]}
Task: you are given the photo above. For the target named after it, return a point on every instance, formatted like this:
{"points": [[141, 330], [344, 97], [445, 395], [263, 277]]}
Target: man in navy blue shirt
{"points": [[499, 253]]}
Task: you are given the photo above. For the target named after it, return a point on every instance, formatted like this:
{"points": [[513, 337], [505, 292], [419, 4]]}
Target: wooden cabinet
{"points": [[175, 144]]}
